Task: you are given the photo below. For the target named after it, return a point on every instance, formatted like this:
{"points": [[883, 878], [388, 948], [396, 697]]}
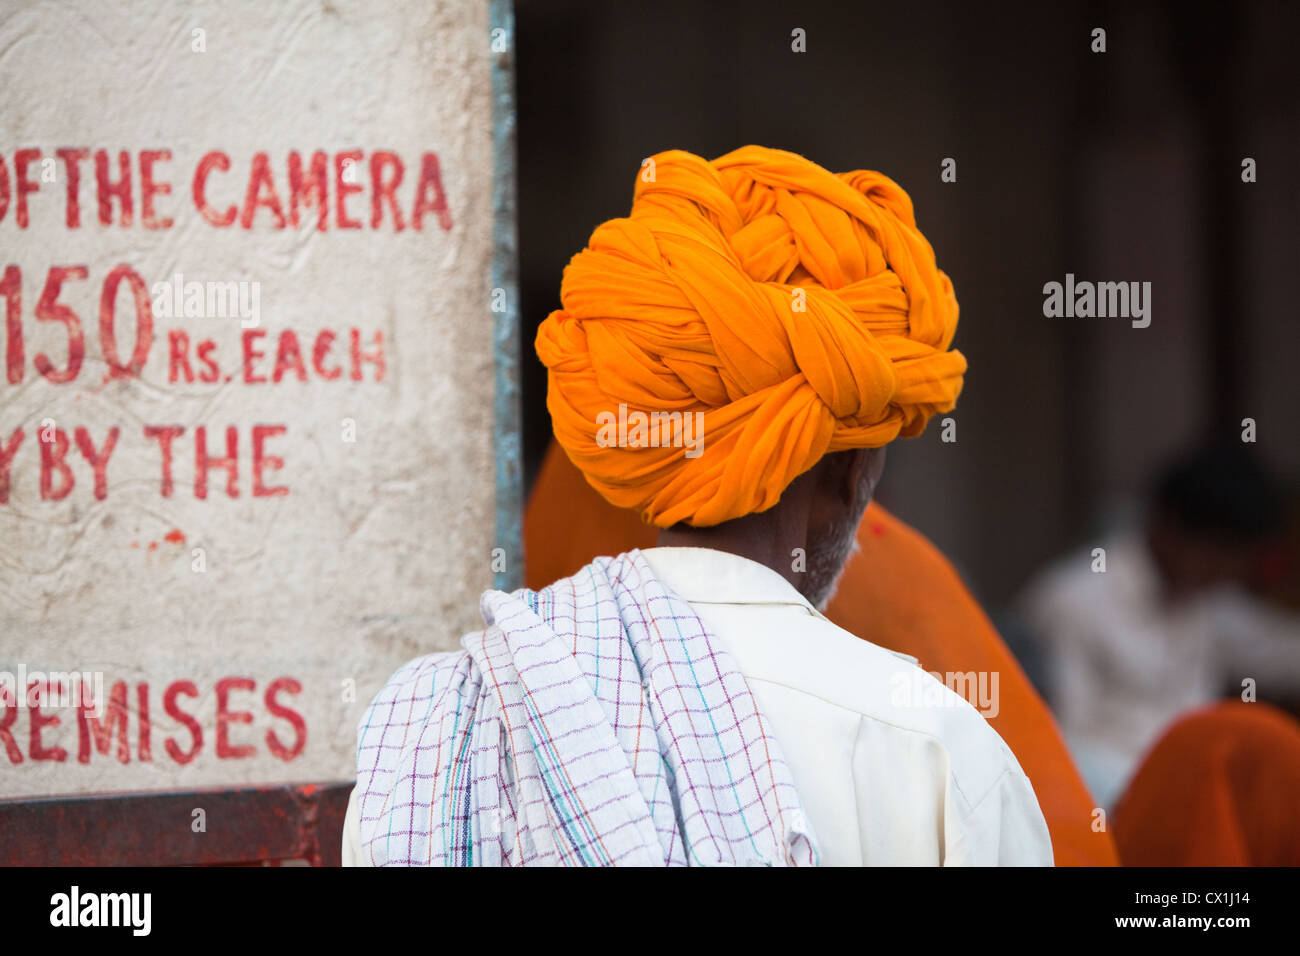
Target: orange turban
{"points": [[791, 311]]}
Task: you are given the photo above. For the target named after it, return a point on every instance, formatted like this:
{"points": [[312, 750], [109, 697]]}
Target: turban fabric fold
{"points": [[798, 311]]}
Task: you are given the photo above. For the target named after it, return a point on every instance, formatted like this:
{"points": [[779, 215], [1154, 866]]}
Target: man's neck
{"points": [[768, 538]]}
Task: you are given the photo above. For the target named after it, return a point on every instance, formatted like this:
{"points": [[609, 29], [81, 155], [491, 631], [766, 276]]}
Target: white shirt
{"points": [[1123, 664], [892, 768]]}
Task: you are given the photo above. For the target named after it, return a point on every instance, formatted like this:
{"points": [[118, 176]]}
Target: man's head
{"points": [[1209, 512], [742, 338]]}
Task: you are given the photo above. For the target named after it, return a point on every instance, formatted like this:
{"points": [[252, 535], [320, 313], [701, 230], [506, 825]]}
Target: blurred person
{"points": [[689, 703], [1220, 788], [1158, 622], [899, 592]]}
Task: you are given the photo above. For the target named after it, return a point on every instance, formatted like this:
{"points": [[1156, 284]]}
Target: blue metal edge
{"points": [[508, 438]]}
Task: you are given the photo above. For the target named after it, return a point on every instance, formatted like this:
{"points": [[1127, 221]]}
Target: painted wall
{"points": [[237, 615]]}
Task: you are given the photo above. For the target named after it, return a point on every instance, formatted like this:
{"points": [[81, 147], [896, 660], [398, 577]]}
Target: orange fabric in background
{"points": [[898, 591], [1220, 788]]}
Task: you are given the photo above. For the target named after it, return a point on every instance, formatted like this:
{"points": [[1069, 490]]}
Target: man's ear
{"points": [[844, 474], [848, 472], [875, 466], [862, 471], [852, 476]]}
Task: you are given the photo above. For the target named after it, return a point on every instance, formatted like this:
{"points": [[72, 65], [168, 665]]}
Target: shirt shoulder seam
{"points": [[974, 808], [857, 807]]}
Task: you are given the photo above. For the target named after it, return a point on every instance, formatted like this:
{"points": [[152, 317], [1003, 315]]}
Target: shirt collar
{"points": [[708, 576]]}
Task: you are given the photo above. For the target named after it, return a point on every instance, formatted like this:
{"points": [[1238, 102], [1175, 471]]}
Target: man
{"points": [[1157, 622], [899, 592], [730, 362]]}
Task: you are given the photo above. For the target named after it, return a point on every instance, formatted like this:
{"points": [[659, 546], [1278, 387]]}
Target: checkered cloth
{"points": [[594, 722]]}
